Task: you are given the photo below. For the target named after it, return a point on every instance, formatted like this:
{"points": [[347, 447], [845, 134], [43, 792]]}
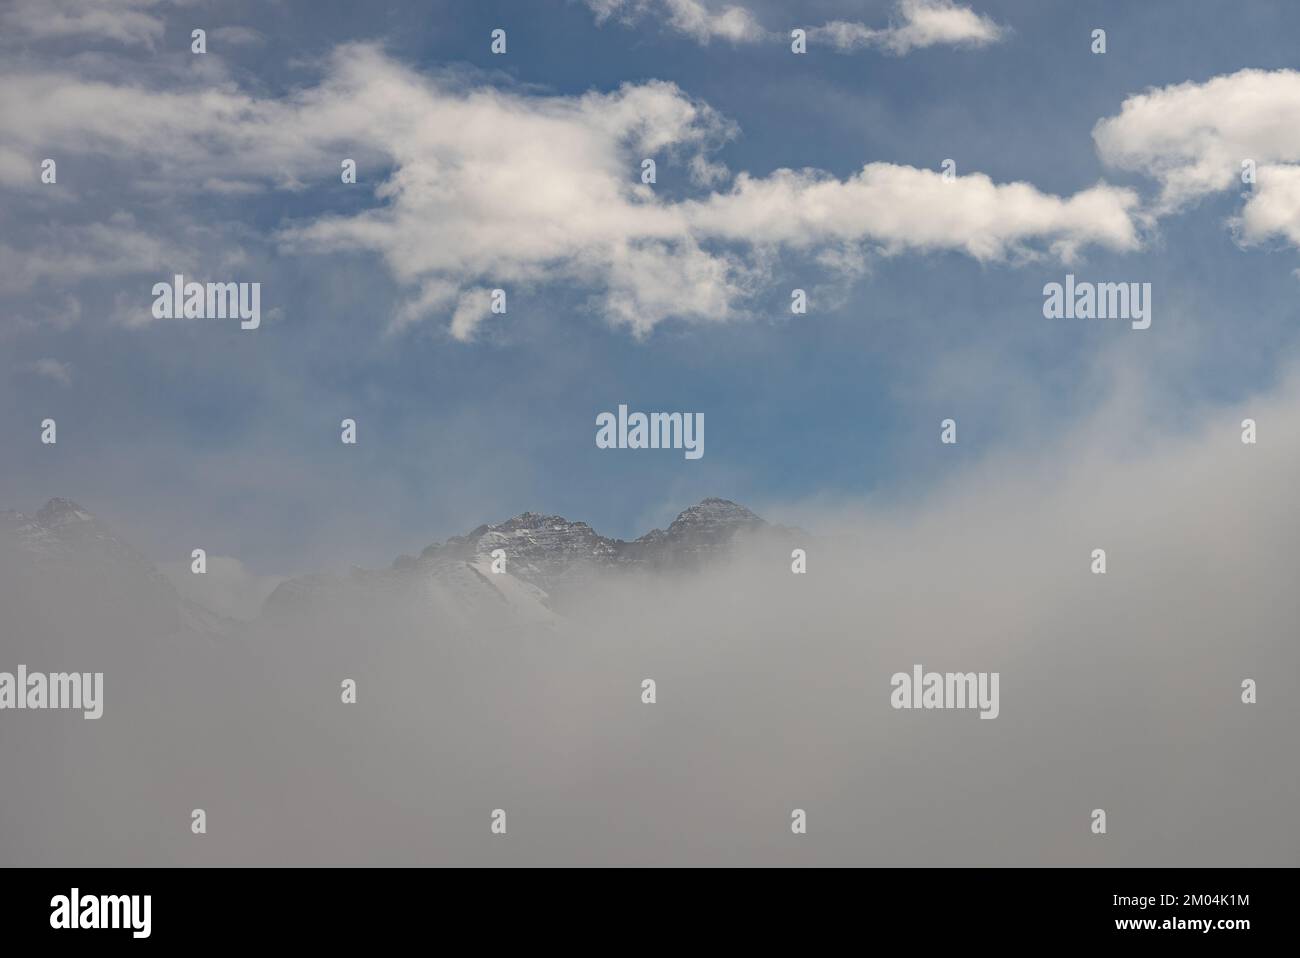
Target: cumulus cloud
{"points": [[484, 187], [1193, 138], [564, 202], [1273, 208], [918, 24]]}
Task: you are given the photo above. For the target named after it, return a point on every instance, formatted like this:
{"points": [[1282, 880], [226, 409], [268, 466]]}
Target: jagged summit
{"points": [[713, 514], [711, 518], [552, 552], [62, 528], [545, 557]]}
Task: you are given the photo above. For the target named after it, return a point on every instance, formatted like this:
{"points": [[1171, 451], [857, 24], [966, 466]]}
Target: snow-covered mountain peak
{"points": [[713, 514], [521, 567]]}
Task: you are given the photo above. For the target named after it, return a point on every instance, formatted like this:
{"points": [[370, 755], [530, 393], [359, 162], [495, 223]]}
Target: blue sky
{"points": [[198, 432]]}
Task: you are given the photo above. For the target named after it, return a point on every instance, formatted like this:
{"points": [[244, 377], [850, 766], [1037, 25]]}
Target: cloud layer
{"points": [[478, 187], [1120, 691]]}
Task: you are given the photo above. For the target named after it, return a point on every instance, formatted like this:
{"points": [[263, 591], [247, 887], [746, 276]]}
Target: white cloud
{"points": [[902, 207], [696, 19], [920, 23], [486, 188], [471, 309], [129, 22], [212, 131], [1193, 136], [564, 201], [1273, 208]]}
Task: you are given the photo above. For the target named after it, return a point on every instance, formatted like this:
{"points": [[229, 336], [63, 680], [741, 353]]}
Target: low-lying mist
{"points": [[1120, 691]]}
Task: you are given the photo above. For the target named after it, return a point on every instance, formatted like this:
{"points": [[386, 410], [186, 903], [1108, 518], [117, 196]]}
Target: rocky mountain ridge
{"points": [[546, 558], [63, 546]]}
